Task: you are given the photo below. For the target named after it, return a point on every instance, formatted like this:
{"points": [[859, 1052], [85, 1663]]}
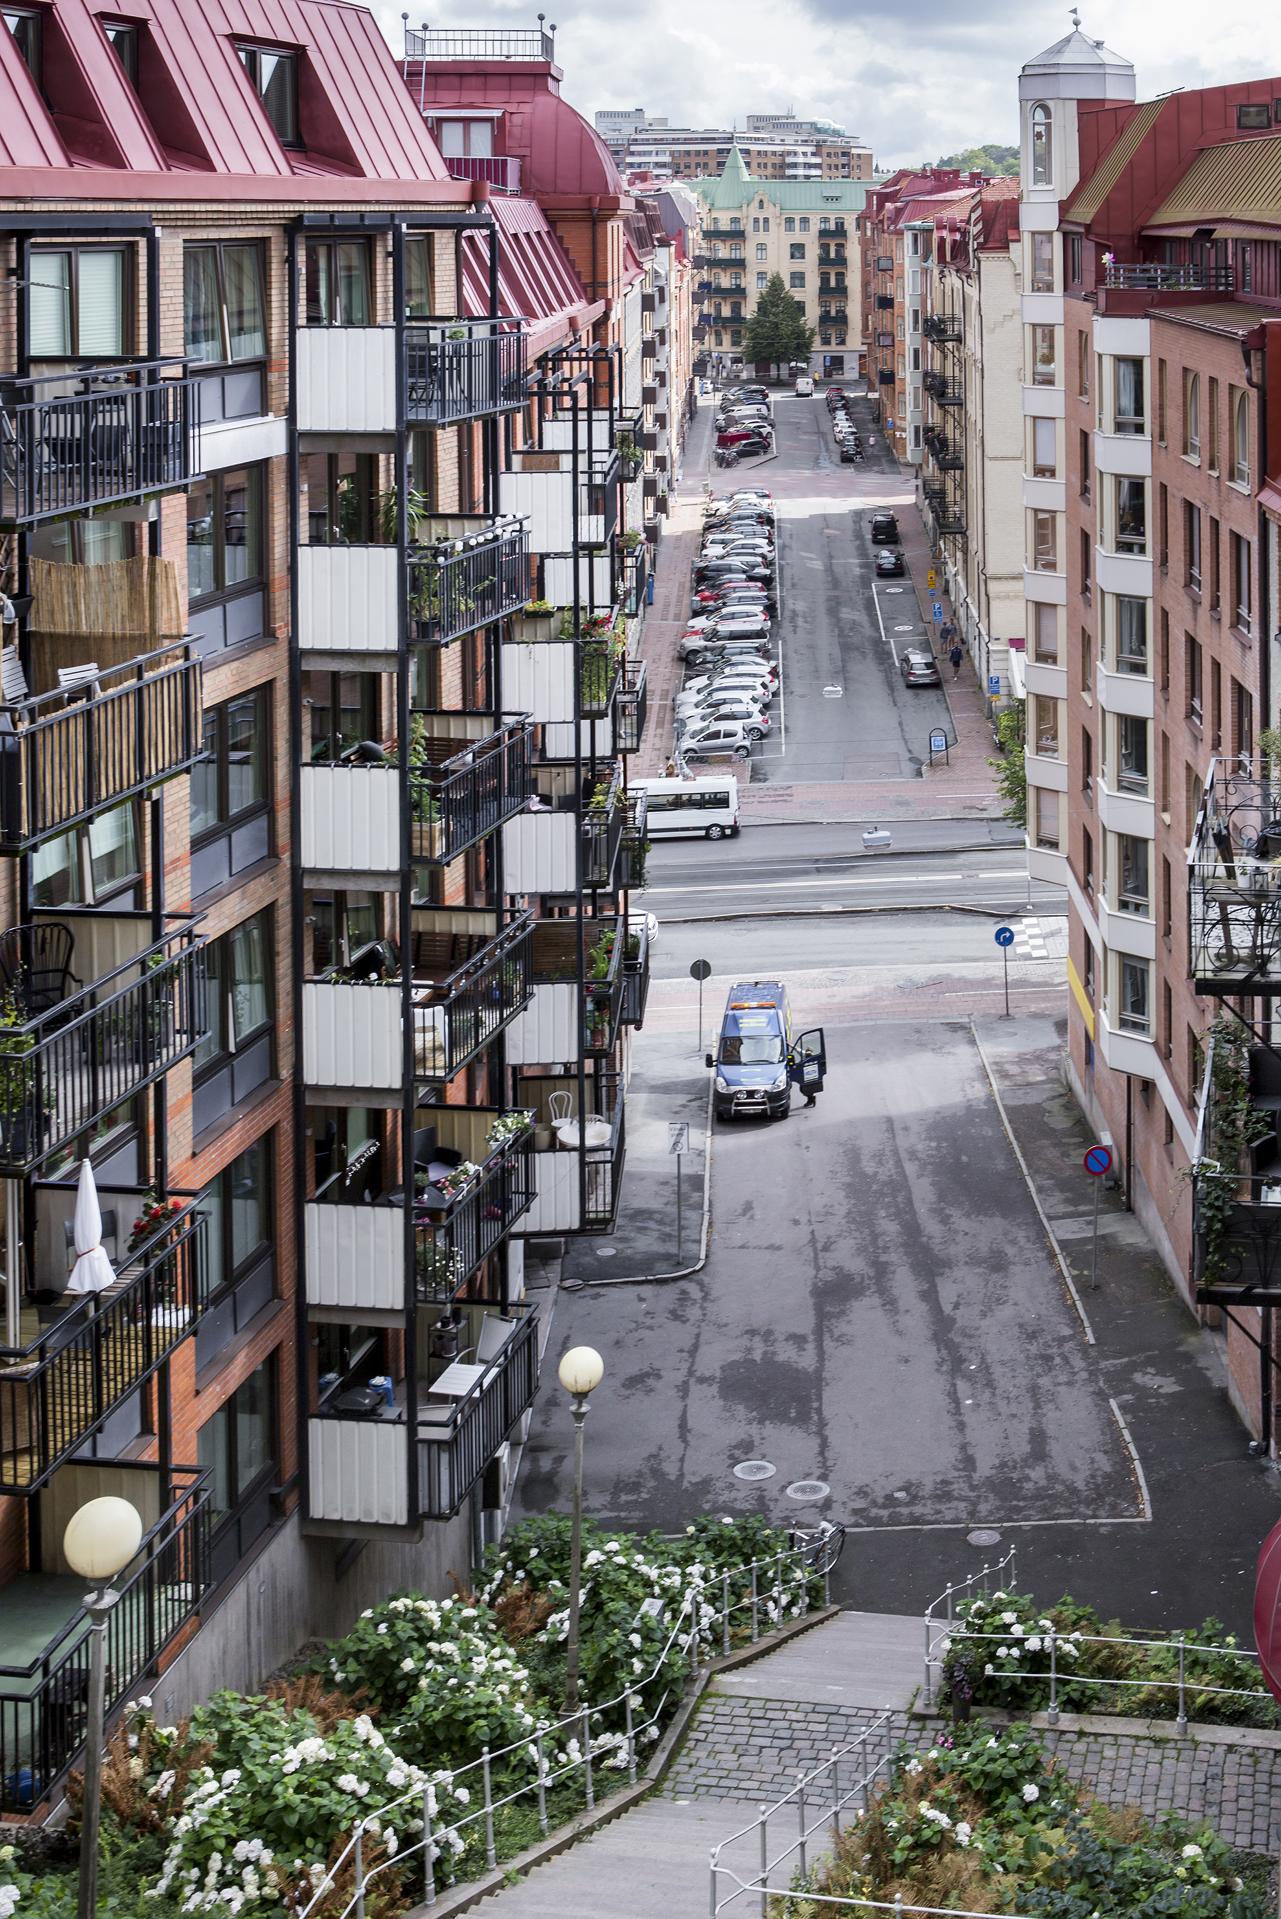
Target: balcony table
{"points": [[457, 1379], [596, 1129]]}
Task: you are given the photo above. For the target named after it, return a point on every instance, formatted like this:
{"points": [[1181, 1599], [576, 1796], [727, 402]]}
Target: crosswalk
{"points": [[1040, 938]]}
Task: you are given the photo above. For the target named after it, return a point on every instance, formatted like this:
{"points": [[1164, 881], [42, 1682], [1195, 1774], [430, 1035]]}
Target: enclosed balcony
{"points": [[944, 391], [67, 755], [82, 1030], [498, 170], [636, 971], [82, 1355], [578, 1170], [465, 572], [564, 1019], [44, 1631], [468, 979], [1234, 880], [885, 302], [1236, 1173], [630, 712], [942, 327], [459, 370], [103, 436]]}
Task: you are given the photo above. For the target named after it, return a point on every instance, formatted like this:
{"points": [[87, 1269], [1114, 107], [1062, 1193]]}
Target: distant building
{"points": [[776, 146]]}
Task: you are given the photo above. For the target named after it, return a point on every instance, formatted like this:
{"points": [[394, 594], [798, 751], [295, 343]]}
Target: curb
{"points": [[1195, 1732], [496, 1879], [685, 1272]]}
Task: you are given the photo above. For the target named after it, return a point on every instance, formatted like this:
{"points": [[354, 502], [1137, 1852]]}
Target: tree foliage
{"points": [[988, 159], [776, 332], [1011, 769]]}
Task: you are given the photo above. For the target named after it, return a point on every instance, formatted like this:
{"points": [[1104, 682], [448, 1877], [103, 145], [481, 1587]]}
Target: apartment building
{"points": [[754, 228], [972, 475], [777, 146], [1152, 309], [314, 827]]}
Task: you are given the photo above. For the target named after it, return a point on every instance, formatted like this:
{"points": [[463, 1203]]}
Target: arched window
{"points": [[1042, 147], [1192, 415], [1241, 441]]}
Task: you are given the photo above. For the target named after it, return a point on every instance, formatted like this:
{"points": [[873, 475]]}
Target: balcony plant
{"points": [[506, 1128], [601, 953], [17, 1076], [438, 1270], [1237, 1125], [416, 511]]}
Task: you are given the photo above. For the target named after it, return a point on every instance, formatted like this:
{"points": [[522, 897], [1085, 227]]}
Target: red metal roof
{"points": [[196, 124], [535, 277], [560, 154]]}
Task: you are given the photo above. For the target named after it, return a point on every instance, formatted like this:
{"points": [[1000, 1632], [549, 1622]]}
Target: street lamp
{"points": [[100, 1540], [580, 1372]]}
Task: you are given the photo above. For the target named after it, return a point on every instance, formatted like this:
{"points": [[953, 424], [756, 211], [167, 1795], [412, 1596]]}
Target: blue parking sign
{"points": [[938, 614]]}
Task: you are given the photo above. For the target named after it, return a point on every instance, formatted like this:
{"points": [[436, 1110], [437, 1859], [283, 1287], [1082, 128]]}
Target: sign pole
{"points": [[700, 970], [1005, 963], [678, 1209], [1097, 1162]]}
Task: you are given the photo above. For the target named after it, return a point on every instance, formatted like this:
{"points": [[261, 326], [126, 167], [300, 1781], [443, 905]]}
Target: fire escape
{"points": [[944, 383]]}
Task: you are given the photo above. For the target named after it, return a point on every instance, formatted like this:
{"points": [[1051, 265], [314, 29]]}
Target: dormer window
{"points": [[273, 75], [24, 24], [122, 38], [1042, 147]]}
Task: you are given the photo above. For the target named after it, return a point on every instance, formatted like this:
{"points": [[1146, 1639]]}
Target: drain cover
{"points": [[606, 1252], [808, 1489], [754, 1469], [984, 1536]]}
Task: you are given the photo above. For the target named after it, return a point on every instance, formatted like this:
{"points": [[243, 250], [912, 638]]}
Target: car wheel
{"points": [[755, 733], [742, 752], [715, 832], [693, 659]]}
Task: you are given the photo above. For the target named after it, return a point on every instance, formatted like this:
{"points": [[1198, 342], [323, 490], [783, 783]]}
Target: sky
{"points": [[915, 79]]}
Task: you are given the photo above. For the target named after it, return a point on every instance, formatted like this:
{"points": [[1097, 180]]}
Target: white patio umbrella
{"points": [[93, 1270]]}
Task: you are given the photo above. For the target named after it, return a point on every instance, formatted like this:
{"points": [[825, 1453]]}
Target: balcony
{"points": [[703, 286], [1236, 1174], [942, 328], [472, 44], [457, 1442], [1151, 276], [540, 487], [734, 234], [465, 986], [1234, 880], [631, 707], [948, 455], [934, 491], [950, 519], [884, 340], [465, 572], [44, 1632], [87, 1353], [885, 302], [71, 1053], [104, 436], [884, 263], [578, 1184], [498, 170], [65, 756], [562, 1020], [602, 828], [636, 972], [885, 375], [944, 391], [634, 844], [462, 370]]}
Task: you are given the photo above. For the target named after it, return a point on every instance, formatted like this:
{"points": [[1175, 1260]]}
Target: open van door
{"points": [[807, 1067]]}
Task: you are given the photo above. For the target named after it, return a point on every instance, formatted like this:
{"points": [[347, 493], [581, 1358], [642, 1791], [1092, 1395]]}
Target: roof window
{"points": [[273, 74], [24, 24], [122, 38]]}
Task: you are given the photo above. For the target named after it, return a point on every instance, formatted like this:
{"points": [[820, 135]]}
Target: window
{"points": [[1215, 583], [1250, 117], [1083, 461], [1074, 259], [803, 223], [122, 38], [762, 252], [236, 1056], [1160, 401], [1041, 250], [796, 279], [460, 138], [336, 283], [1045, 728], [1088, 980], [1133, 1012], [1082, 364], [762, 281], [273, 75], [1045, 542], [1163, 525], [224, 308], [1216, 704], [1087, 865], [1132, 735], [1192, 671], [225, 559], [1242, 598], [1131, 516], [756, 225], [1192, 545], [1086, 549], [1165, 777], [91, 865], [1042, 147], [789, 224], [239, 1248], [1132, 886], [25, 24], [1131, 635], [1242, 721], [797, 250], [1044, 450], [1212, 424], [1044, 364], [1087, 760], [230, 792], [1240, 440], [1130, 414], [78, 303], [1045, 635], [1047, 819], [1167, 905], [1191, 416], [1087, 661], [237, 1448]]}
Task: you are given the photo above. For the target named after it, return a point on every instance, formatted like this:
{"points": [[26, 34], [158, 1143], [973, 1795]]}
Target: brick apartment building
{"points": [[314, 841]]}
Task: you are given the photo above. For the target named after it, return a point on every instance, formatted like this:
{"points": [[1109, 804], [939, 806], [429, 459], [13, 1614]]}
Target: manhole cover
{"points": [[606, 1252], [984, 1536], [754, 1469], [808, 1489]]}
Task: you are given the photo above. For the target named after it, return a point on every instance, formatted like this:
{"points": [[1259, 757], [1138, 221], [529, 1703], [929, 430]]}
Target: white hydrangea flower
{"points": [[1031, 1793]]}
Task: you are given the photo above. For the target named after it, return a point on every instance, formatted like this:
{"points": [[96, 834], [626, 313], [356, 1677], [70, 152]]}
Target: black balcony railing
{"points": [[1234, 880], [1153, 276], [65, 757], [948, 455], [602, 828], [885, 302], [598, 500], [457, 1017], [44, 1704], [942, 390], [636, 972], [631, 707], [602, 1166], [555, 959], [934, 491], [56, 1391], [466, 574], [453, 1453], [462, 369], [461, 791], [950, 518], [884, 263], [474, 44], [451, 1241], [885, 375], [634, 843], [64, 1069], [941, 328], [99, 437]]}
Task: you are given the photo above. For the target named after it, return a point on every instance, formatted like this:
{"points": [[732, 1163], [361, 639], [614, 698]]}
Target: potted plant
{"points": [[425, 830], [437, 1269], [19, 1099], [506, 1128]]}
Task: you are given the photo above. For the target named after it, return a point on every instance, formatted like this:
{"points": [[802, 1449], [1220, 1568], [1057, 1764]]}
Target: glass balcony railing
{"points": [[462, 370], [457, 1442], [94, 437], [65, 757], [465, 572]]}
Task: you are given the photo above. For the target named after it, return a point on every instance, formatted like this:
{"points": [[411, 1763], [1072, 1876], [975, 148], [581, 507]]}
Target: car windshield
{"points": [[751, 1039]]}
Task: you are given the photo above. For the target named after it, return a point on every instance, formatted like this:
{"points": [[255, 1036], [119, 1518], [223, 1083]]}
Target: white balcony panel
{"points": [[1044, 495], [1126, 573], [358, 1470], [1042, 864], [558, 435], [1040, 678], [598, 735], [1126, 1052], [1044, 402], [1127, 693], [594, 585], [557, 1206], [1127, 932], [225, 443], [350, 819], [347, 599], [355, 1256], [1126, 453], [547, 499], [547, 1032], [1051, 774], [1126, 812], [1117, 333], [1042, 309], [1044, 589], [351, 1035], [538, 679], [540, 852], [346, 379]]}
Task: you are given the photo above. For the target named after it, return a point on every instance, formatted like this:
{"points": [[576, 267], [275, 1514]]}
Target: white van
{"points": [[805, 386], [708, 807]]}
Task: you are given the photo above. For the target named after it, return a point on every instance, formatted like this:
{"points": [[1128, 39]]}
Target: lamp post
{"points": [[100, 1540], [580, 1372]]}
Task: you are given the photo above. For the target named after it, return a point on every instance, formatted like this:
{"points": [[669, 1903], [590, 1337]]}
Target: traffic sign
{"points": [[677, 1136], [993, 683], [1098, 1160], [1004, 936], [938, 744], [938, 614], [931, 579], [701, 969], [938, 606]]}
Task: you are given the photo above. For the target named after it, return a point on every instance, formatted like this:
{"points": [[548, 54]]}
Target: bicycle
{"points": [[822, 1544]]}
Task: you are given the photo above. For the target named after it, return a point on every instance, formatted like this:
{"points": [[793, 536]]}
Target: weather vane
{"points": [[1075, 17]]}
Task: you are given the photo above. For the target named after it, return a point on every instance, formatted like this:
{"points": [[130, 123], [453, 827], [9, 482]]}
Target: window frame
{"points": [[250, 54], [251, 1498], [1192, 415], [32, 54], [220, 1064], [332, 245], [237, 1283], [130, 36], [128, 301], [227, 825], [1041, 144], [221, 592], [1128, 1021], [1240, 414]]}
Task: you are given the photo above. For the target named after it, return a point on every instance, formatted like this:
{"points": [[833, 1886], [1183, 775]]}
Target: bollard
{"points": [[827, 1583], [429, 1864], [948, 1597], [1181, 1720], [1053, 1714], [587, 1760], [491, 1857], [542, 1785], [929, 1684], [725, 1613], [756, 1632], [715, 1870], [631, 1741], [359, 1866], [800, 1819]]}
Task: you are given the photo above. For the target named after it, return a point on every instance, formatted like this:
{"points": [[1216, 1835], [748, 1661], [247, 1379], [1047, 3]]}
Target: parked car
{"points": [[889, 563], [739, 622], [735, 708], [743, 681], [918, 667], [715, 740], [884, 529], [700, 650]]}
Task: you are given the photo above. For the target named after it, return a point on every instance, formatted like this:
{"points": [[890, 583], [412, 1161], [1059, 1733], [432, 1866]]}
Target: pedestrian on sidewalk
{"points": [[956, 655]]}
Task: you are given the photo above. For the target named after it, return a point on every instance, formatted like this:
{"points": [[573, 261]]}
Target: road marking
{"points": [[868, 879], [885, 638]]}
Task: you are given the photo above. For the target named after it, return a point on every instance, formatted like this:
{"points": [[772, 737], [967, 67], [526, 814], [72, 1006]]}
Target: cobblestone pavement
{"points": [[752, 1750]]}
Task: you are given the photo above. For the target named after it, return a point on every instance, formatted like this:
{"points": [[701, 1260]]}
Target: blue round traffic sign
{"points": [[1098, 1160], [1004, 936]]}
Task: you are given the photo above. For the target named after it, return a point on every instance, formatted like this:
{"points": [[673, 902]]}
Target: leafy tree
{"points": [[1011, 770], [988, 159], [776, 332]]}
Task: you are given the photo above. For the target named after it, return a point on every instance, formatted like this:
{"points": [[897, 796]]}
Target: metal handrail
{"points": [[129, 430]]}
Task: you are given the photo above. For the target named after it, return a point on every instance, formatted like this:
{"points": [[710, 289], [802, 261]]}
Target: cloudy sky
{"points": [[914, 78]]}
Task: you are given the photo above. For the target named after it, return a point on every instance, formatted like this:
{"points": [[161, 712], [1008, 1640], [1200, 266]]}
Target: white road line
{"points": [[869, 879], [1144, 1498], [876, 602]]}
